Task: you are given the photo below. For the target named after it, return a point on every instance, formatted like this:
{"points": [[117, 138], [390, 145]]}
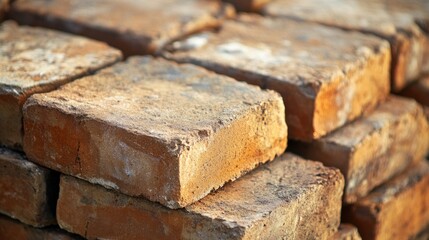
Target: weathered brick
{"points": [[374, 148], [399, 209], [28, 192], [419, 91], [288, 198], [394, 22], [135, 27], [34, 60], [11, 229], [346, 232], [248, 5], [326, 76], [150, 127]]}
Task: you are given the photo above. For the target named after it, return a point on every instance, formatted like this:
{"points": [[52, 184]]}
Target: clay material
{"points": [[374, 148], [395, 21], [398, 209], [153, 128], [346, 232], [28, 192], [288, 198], [34, 60], [326, 76], [135, 27]]}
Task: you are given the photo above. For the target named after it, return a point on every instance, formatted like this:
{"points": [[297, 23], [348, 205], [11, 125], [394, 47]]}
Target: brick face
{"points": [[374, 148], [27, 191], [324, 83], [37, 60], [150, 127], [145, 28], [288, 198]]}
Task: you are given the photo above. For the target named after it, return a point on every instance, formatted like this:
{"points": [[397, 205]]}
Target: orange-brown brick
{"points": [[346, 232], [326, 76], [135, 27], [288, 198], [34, 60], [153, 128], [392, 20], [11, 229], [28, 192], [419, 91], [373, 148], [399, 209]]}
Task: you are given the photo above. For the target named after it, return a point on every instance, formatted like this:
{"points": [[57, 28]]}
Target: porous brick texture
{"points": [[153, 128], [392, 20], [34, 60], [419, 91], [346, 232], [14, 230], [248, 5], [324, 83], [399, 209], [373, 148], [28, 191], [289, 198], [135, 27]]}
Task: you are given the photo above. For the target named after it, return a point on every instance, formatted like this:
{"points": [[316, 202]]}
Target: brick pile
{"points": [[188, 142]]}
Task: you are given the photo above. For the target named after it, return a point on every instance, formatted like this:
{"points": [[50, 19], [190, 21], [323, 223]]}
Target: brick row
{"points": [[153, 128], [34, 60], [326, 76], [135, 27], [373, 148], [288, 198], [392, 20]]}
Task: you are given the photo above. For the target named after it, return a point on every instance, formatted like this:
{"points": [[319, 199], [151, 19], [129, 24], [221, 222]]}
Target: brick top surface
{"points": [[34, 57], [299, 53]]}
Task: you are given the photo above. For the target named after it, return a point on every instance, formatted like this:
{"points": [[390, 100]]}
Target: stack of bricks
{"points": [[141, 119]]}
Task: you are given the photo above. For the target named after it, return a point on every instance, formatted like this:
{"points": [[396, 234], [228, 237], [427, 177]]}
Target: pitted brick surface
{"points": [[288, 198], [136, 27], [34, 60], [326, 76], [374, 148], [169, 132]]}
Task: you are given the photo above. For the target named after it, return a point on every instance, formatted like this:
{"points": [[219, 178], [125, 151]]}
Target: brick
{"points": [[28, 192], [399, 209], [394, 22], [34, 60], [419, 91], [346, 232], [153, 128], [324, 83], [11, 229], [248, 5], [288, 198], [374, 148], [135, 27]]}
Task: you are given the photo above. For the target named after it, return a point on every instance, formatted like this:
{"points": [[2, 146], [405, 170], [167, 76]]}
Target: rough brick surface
{"points": [[346, 232], [27, 192], [397, 23], [36, 60], [288, 198], [11, 229], [248, 5], [419, 91], [398, 209], [326, 76], [150, 127], [374, 148], [135, 27]]}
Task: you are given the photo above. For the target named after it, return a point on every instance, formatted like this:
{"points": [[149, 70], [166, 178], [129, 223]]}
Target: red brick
{"points": [[288, 198], [248, 5], [399, 209], [27, 191], [419, 91], [374, 148], [326, 76], [153, 128], [135, 27], [37, 60], [11, 229], [389, 19], [346, 232]]}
